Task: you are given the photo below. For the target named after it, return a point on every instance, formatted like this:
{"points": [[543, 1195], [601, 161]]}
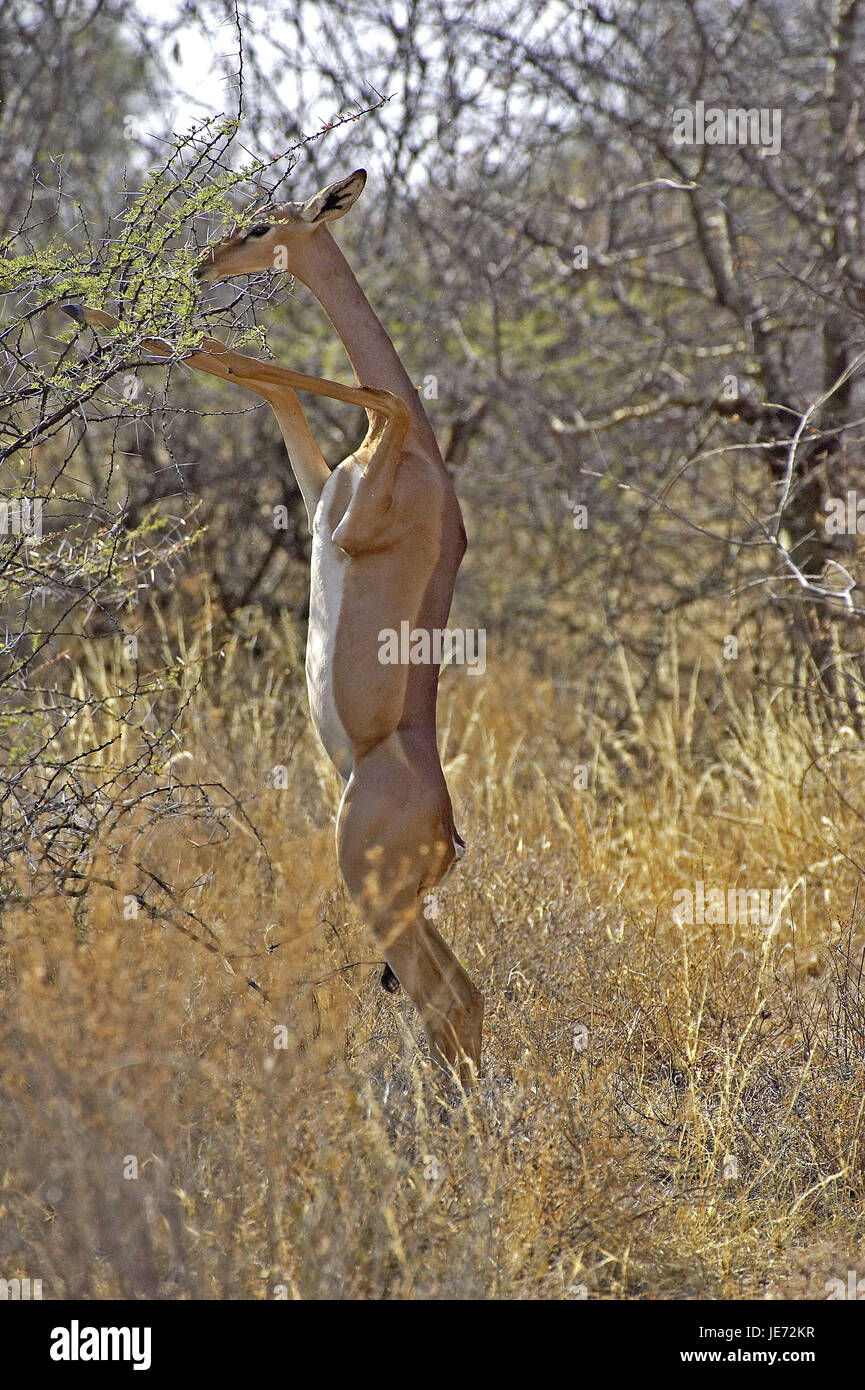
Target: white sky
{"points": [[200, 87]]}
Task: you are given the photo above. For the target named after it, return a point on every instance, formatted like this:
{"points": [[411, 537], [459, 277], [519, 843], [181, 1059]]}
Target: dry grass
{"points": [[666, 1111]]}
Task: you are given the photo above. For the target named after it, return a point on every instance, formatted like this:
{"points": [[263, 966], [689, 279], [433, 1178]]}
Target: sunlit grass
{"points": [[665, 1111]]}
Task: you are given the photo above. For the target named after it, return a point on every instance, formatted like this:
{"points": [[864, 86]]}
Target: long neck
{"points": [[373, 356]]}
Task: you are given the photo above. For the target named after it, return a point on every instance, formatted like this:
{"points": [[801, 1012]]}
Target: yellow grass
{"points": [[666, 1111]]}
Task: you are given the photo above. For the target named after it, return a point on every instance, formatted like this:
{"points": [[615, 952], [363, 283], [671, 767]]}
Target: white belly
{"points": [[327, 581]]}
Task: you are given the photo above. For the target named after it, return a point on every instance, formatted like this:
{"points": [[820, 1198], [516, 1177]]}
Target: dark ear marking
{"points": [[335, 200]]}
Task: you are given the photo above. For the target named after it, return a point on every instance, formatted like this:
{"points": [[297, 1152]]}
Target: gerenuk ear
{"points": [[335, 200]]}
